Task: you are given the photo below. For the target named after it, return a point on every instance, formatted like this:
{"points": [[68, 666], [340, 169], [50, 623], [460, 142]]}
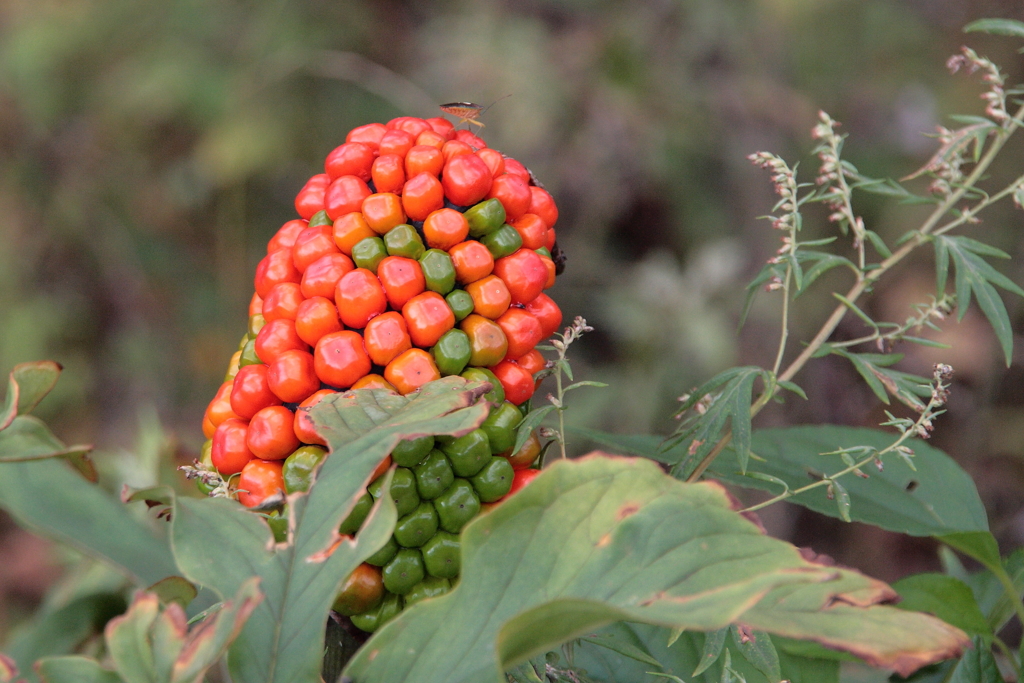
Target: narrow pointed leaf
{"points": [[760, 652], [127, 639], [999, 27], [714, 641], [977, 666], [207, 642]]}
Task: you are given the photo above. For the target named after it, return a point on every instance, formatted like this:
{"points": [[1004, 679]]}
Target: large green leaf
{"points": [[604, 539], [938, 498], [284, 639], [51, 499]]}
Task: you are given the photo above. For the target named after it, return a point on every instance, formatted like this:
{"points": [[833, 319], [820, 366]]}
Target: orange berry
{"points": [[311, 244], [250, 392], [428, 316], [282, 302], [322, 275], [359, 297], [259, 481], [351, 158], [303, 423], [445, 228], [396, 142], [532, 229], [524, 273], [494, 161], [345, 195], [276, 267], [487, 342], [513, 193], [349, 230], [516, 381], [454, 148], [285, 237], [491, 297], [369, 134], [374, 382], [218, 410], [385, 337], [316, 317], [422, 194], [402, 279], [541, 204], [430, 138], [276, 337], [546, 311], [388, 172], [310, 199], [292, 378], [229, 452], [270, 435], [423, 159], [522, 330], [340, 359], [383, 211], [472, 261], [411, 370]]}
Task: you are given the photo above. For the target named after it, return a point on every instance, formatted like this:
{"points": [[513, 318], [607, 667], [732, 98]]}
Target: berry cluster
{"points": [[420, 253]]}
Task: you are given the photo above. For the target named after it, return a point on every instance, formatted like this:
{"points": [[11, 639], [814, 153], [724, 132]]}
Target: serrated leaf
{"points": [[973, 277], [284, 640], [999, 27], [601, 539], [731, 403]]}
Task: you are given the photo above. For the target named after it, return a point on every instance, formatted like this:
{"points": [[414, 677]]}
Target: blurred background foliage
{"points": [[148, 150]]}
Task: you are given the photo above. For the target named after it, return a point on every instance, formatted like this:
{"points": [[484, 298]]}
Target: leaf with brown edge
{"points": [[849, 614], [562, 557], [27, 385]]}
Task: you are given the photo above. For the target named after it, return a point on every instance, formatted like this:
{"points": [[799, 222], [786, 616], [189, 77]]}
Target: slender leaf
{"points": [[714, 641], [529, 423], [757, 649], [284, 640], [601, 539], [974, 276], [999, 27]]}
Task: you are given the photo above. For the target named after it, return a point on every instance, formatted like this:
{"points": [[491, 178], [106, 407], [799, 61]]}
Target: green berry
{"points": [[369, 252], [434, 475], [500, 427], [456, 506], [403, 490], [494, 480], [485, 217], [442, 555], [430, 587], [300, 467], [404, 571], [355, 519], [451, 352], [412, 452], [468, 454]]}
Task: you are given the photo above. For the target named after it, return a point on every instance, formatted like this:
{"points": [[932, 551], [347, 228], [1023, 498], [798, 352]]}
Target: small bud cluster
{"points": [[995, 96], [832, 178], [784, 180]]}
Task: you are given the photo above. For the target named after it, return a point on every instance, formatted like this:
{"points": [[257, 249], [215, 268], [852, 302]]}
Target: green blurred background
{"points": [[148, 150]]}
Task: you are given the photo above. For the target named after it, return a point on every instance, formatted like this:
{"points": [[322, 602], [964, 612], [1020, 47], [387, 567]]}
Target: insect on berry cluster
{"points": [[419, 253]]}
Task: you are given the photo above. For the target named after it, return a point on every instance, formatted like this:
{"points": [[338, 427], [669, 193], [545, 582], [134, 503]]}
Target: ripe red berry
{"points": [[466, 179]]}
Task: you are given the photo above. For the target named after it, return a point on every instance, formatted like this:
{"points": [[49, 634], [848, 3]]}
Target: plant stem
{"points": [[784, 336], [864, 281], [1010, 658], [561, 408]]}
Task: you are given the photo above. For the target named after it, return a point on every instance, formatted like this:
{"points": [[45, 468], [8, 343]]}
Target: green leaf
{"points": [[757, 649], [51, 499], [732, 403], [975, 276], [27, 385], [939, 498], [174, 589], [284, 640], [714, 641], [979, 544], [60, 631], [600, 539], [127, 639], [28, 438], [999, 27], [977, 665], [529, 423], [623, 647], [74, 670], [207, 643], [945, 597]]}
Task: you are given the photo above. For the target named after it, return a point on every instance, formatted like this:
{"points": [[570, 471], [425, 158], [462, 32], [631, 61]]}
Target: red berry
{"points": [[351, 158], [466, 179], [251, 393]]}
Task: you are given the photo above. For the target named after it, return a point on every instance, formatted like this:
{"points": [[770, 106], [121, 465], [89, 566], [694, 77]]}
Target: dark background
{"points": [[149, 148]]}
